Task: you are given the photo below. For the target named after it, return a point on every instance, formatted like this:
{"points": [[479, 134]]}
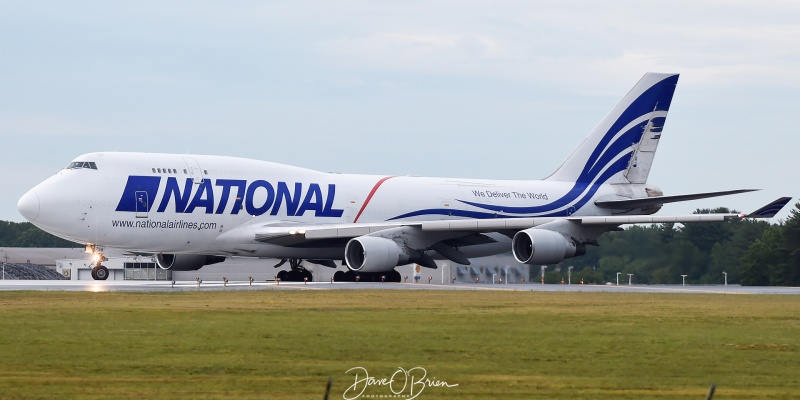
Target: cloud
{"points": [[542, 44], [413, 51], [44, 125]]}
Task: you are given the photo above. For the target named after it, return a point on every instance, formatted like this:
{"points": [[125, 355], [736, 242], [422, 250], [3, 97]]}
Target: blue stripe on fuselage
{"points": [[514, 212]]}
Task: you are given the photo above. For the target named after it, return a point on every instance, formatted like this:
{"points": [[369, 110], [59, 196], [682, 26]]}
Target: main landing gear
{"points": [[99, 271], [350, 276], [297, 273]]}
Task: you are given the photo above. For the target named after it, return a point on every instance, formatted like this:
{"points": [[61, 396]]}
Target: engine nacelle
{"points": [[373, 254], [185, 262], [543, 247]]}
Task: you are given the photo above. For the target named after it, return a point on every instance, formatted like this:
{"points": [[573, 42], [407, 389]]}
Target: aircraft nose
{"points": [[28, 205]]}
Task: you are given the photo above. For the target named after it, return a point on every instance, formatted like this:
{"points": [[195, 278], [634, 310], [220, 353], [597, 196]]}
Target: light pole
{"points": [[630, 276], [544, 267], [4, 265], [443, 265], [569, 275], [726, 277], [684, 279], [493, 275], [506, 274], [618, 278]]}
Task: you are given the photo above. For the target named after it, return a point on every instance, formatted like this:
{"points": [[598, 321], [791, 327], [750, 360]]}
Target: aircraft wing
{"points": [[299, 233], [449, 238]]}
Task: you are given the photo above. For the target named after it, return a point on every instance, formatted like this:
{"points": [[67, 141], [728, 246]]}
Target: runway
{"points": [[166, 286]]}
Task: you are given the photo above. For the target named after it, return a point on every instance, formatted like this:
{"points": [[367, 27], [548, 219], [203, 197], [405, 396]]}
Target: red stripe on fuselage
{"points": [[369, 197]]}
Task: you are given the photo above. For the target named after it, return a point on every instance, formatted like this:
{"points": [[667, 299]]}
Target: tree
{"points": [[763, 259], [25, 234], [704, 235], [774, 259], [589, 276], [726, 256], [790, 270], [661, 253]]}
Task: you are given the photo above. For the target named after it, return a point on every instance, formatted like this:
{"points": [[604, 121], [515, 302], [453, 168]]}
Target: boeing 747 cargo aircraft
{"points": [[194, 210]]}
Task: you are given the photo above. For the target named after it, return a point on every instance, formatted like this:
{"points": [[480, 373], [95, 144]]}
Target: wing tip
{"points": [[771, 209]]}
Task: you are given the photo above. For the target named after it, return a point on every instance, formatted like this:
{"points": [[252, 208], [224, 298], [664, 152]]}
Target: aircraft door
{"points": [[193, 169], [350, 208], [142, 204]]}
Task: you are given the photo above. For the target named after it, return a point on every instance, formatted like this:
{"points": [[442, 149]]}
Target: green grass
{"points": [[285, 344]]}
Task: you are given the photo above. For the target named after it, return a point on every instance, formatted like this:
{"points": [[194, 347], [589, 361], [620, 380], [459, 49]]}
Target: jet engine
{"points": [[185, 262], [374, 254], [543, 247]]}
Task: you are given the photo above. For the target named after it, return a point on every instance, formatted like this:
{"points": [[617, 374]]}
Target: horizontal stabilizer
{"points": [[626, 204], [769, 210]]}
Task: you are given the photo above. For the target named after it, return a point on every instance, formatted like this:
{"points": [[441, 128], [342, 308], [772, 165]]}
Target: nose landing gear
{"points": [[99, 271]]}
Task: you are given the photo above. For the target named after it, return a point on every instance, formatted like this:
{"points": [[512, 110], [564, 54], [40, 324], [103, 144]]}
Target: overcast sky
{"points": [[481, 89]]}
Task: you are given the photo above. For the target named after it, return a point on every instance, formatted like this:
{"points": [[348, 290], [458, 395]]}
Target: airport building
{"points": [[75, 264]]}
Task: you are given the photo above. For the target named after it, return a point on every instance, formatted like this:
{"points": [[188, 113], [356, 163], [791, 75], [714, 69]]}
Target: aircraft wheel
{"points": [[100, 272], [349, 276], [283, 275], [294, 276], [339, 276], [393, 276], [307, 274]]}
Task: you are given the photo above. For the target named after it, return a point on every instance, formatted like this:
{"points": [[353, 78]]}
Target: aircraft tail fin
{"points": [[621, 148]]}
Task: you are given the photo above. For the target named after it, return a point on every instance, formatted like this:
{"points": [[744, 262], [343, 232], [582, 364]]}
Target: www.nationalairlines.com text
{"points": [[174, 224]]}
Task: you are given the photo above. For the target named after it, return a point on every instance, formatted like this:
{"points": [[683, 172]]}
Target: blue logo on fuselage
{"points": [[296, 198]]}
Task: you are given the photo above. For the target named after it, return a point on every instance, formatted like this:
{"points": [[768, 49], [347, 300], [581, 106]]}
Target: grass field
{"points": [[509, 345]]}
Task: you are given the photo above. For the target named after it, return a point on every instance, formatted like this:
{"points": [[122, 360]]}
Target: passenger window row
{"points": [[167, 170]]}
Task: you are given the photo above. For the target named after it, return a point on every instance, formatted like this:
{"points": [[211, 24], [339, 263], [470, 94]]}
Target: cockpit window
{"points": [[82, 164]]}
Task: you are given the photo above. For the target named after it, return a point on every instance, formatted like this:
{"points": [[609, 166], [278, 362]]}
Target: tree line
{"points": [[750, 252], [25, 234]]}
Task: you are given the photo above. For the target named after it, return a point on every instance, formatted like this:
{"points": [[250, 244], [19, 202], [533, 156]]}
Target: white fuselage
{"points": [[170, 203]]}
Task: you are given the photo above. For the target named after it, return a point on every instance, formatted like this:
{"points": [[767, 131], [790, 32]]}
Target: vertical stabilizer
{"points": [[621, 148]]}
